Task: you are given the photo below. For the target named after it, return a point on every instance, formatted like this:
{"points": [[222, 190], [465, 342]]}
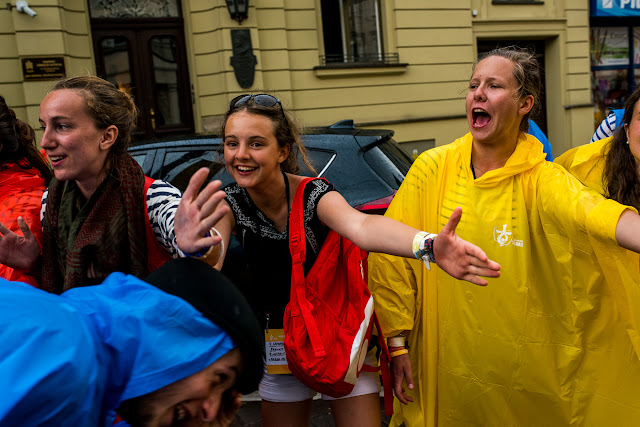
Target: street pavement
{"points": [[249, 414]]}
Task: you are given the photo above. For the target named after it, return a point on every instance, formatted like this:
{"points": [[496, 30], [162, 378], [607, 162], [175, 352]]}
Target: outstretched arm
{"points": [[628, 231], [197, 214], [19, 252], [375, 233], [459, 258]]}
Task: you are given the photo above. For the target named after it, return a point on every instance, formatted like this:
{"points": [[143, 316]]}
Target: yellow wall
{"points": [[421, 98], [61, 28]]}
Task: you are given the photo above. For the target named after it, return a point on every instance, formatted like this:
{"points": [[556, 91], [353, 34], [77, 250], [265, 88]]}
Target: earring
{"points": [[627, 142]]}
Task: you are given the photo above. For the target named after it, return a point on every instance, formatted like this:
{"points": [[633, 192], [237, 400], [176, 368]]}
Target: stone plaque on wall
{"points": [[43, 68]]}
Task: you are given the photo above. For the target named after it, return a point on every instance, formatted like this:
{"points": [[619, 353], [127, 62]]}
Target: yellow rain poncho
{"points": [[549, 343], [586, 163]]}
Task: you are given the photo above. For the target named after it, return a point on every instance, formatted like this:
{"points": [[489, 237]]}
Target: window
{"points": [[353, 32], [179, 166], [134, 8], [615, 67], [517, 2]]}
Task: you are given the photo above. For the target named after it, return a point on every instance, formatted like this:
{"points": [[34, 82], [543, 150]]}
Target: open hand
{"points": [[459, 258], [16, 251], [197, 213]]}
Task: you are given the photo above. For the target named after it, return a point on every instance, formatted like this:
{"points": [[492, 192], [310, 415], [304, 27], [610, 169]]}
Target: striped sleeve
{"points": [[162, 203], [606, 128], [43, 204]]}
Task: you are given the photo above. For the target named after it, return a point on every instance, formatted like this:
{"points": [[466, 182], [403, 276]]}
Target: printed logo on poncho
{"points": [[504, 237]]}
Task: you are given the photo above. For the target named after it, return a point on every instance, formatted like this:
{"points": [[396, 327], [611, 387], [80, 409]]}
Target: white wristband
{"points": [[221, 242]]}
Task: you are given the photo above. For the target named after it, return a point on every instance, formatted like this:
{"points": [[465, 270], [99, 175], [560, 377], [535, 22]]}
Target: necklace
{"points": [[473, 169]]}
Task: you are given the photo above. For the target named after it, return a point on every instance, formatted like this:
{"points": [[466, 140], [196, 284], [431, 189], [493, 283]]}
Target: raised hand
{"points": [[16, 251], [197, 213], [459, 258]]}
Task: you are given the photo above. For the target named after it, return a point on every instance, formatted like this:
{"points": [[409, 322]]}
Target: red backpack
{"points": [[156, 255], [330, 316]]}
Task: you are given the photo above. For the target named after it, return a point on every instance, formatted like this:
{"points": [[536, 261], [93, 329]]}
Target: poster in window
{"points": [[609, 46], [636, 46]]}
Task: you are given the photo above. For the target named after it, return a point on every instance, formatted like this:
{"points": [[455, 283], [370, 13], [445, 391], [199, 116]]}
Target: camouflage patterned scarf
{"points": [[83, 244]]}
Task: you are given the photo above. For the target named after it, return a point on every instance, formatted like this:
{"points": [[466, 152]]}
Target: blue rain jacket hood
{"points": [[71, 359]]}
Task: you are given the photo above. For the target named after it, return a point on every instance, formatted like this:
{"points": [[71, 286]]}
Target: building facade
{"points": [[398, 64], [615, 53]]}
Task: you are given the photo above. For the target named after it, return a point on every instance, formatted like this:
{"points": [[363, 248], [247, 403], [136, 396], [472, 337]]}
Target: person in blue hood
{"points": [[172, 350]]}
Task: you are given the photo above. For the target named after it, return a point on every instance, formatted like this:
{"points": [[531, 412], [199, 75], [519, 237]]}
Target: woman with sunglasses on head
{"points": [[24, 175], [555, 340], [100, 214], [261, 145]]}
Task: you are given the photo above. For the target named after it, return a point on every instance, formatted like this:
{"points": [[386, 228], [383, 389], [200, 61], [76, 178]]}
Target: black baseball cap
{"points": [[212, 293]]}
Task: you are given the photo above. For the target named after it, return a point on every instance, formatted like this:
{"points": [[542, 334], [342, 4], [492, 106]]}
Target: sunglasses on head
{"points": [[261, 99]]}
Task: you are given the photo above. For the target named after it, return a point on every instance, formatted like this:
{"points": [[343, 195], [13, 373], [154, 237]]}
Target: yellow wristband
{"points": [[398, 352]]}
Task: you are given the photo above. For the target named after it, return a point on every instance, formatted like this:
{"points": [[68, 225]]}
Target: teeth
{"points": [[478, 110], [180, 413], [245, 168], [56, 158]]}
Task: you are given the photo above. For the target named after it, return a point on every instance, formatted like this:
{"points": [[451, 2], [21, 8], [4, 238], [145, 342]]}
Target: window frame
{"points": [[387, 55]]}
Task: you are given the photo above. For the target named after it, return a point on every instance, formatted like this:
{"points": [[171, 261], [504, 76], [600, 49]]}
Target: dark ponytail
{"points": [[18, 143]]}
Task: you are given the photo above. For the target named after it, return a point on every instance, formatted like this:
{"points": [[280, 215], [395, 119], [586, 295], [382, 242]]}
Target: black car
{"points": [[365, 166]]}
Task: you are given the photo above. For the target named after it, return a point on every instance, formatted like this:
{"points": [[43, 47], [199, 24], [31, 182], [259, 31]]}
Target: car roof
{"points": [[311, 136]]}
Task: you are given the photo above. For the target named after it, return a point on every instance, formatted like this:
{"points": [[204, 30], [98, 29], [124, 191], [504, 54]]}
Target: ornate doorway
{"points": [[139, 47]]}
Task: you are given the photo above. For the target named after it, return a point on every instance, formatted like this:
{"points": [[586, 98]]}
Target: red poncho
{"points": [[20, 195]]}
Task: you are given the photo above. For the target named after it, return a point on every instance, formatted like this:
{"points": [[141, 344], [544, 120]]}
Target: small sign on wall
{"points": [[43, 68]]}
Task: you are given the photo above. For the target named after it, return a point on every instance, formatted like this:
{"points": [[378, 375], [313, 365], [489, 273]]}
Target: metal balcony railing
{"points": [[368, 59]]}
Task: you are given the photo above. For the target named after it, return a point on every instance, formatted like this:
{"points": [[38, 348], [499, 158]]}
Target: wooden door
{"points": [[149, 62]]}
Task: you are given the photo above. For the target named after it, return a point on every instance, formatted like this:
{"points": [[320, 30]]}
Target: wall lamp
{"points": [[238, 9], [23, 6]]}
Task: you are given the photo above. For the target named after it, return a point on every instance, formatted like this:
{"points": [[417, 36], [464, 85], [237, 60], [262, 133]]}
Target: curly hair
{"points": [[285, 129], [527, 74], [620, 168], [107, 105], [18, 143]]}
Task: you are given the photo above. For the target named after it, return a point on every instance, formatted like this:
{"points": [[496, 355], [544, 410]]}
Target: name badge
{"points": [[276, 357]]}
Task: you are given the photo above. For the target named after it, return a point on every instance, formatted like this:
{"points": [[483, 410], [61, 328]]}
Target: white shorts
{"points": [[287, 388]]}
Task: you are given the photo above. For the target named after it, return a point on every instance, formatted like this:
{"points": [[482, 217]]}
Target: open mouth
{"points": [[56, 159], [245, 169], [179, 414], [480, 117]]}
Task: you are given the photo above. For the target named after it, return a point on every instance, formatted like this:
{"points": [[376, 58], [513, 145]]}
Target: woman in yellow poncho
{"points": [[611, 165], [553, 341]]}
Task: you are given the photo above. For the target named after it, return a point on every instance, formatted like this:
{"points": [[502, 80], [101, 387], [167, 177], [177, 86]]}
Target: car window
{"points": [[397, 156], [179, 166], [389, 162], [319, 159], [140, 158]]}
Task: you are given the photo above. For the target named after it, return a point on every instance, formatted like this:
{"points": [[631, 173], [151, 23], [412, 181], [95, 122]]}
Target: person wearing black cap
{"points": [[174, 349]]}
